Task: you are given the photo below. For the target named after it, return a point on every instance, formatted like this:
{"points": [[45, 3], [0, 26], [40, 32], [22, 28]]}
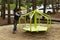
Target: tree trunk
{"points": [[34, 7], [34, 4], [53, 7], [9, 19], [27, 3], [58, 4], [3, 9], [16, 3], [19, 4], [44, 8]]}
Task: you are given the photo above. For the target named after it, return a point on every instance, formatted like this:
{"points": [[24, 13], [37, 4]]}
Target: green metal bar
{"points": [[35, 20], [39, 20], [34, 13], [19, 22], [30, 25], [27, 13], [25, 21], [49, 24], [49, 20], [45, 15], [31, 22]]}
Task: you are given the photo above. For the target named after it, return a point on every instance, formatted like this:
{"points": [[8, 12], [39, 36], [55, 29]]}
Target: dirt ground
{"points": [[57, 15], [52, 34], [5, 21]]}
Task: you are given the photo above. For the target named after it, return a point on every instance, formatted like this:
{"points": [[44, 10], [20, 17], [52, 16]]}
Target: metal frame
{"points": [[35, 27]]}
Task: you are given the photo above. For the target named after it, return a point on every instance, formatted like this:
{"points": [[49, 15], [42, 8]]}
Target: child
{"points": [[17, 14]]}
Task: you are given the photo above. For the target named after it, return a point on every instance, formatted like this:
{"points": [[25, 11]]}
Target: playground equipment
{"points": [[36, 27]]}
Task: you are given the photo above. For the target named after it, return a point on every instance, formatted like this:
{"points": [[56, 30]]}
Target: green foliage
{"points": [[23, 8], [39, 2], [12, 6], [0, 1], [11, 1]]}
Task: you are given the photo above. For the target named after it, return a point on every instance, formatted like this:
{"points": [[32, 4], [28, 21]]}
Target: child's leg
{"points": [[15, 25]]}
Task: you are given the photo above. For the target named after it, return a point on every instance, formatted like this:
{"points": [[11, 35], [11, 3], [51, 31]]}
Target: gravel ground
{"points": [[52, 34]]}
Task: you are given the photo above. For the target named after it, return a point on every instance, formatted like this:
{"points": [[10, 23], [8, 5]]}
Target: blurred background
{"points": [[50, 7]]}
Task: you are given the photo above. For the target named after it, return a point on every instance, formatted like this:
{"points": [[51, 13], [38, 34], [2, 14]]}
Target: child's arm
{"points": [[17, 14]]}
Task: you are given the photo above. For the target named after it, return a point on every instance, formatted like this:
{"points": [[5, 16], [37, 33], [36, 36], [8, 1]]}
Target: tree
{"points": [[3, 9], [44, 7], [53, 7], [57, 5], [39, 2], [16, 3], [28, 5], [34, 4], [11, 1], [20, 4], [34, 7], [9, 19]]}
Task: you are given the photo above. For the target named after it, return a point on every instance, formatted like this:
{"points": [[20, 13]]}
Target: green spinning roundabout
{"points": [[36, 27]]}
